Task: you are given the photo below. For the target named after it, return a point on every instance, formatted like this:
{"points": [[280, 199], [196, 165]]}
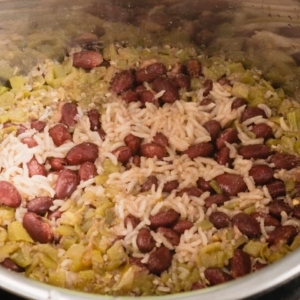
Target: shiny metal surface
{"points": [[248, 30]]}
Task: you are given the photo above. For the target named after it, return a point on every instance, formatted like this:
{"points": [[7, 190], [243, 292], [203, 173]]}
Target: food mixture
{"points": [[146, 171]]}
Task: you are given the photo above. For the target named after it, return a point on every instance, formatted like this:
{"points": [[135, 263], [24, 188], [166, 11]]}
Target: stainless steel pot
{"points": [[265, 34]]}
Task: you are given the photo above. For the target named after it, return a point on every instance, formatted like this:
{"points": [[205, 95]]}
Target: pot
{"points": [[264, 34]]}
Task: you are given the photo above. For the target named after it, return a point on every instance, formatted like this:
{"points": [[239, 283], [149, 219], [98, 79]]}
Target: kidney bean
{"points": [[262, 131], [216, 199], [151, 150], [81, 153], [238, 102], [282, 235], [171, 93], [161, 139], [8, 263], [216, 276], [182, 225], [66, 183], [134, 221], [21, 129], [296, 211], [247, 225], [240, 263], [223, 156], [251, 112], [206, 101], [57, 163], [258, 265], [87, 171], [276, 188], [256, 151], [136, 160], [68, 113], [140, 88], [160, 260], [277, 207], [130, 96], [207, 86], [170, 234], [214, 128], [229, 135], [59, 134], [9, 195], [150, 72], [35, 168], [101, 133], [151, 180], [191, 191], [87, 59], [56, 214], [165, 218], [182, 81], [194, 68], [268, 220], [38, 229], [145, 241], [38, 125], [133, 142], [219, 219], [94, 118], [285, 161], [122, 81], [231, 184], [202, 149], [148, 97], [123, 154], [30, 142], [40, 205], [170, 186], [262, 174], [204, 185]]}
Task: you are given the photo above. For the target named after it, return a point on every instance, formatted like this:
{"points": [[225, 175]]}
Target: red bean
{"points": [[262, 174], [38, 125], [159, 261], [216, 199], [282, 235], [59, 134], [204, 185], [296, 211], [182, 81], [9, 195], [171, 93], [151, 150], [262, 131], [171, 235], [251, 112], [68, 113], [57, 163], [170, 186], [133, 142], [197, 286], [81, 153], [87, 171], [150, 72], [145, 241], [276, 188], [8, 263], [123, 154], [229, 135], [35, 168], [165, 218], [268, 220], [206, 101], [38, 229], [130, 96], [194, 68], [122, 81], [216, 276], [256, 151], [231, 184], [202, 149], [40, 205], [219, 219], [134, 221], [277, 207], [191, 191], [207, 86], [240, 263], [101, 133], [94, 118], [238, 102], [214, 128], [147, 185], [161, 139], [30, 142], [87, 59], [223, 156], [148, 97], [66, 183], [285, 161], [247, 225], [56, 214], [136, 160], [182, 225]]}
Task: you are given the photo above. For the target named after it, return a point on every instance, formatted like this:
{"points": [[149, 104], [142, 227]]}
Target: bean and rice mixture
{"points": [[146, 171]]}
